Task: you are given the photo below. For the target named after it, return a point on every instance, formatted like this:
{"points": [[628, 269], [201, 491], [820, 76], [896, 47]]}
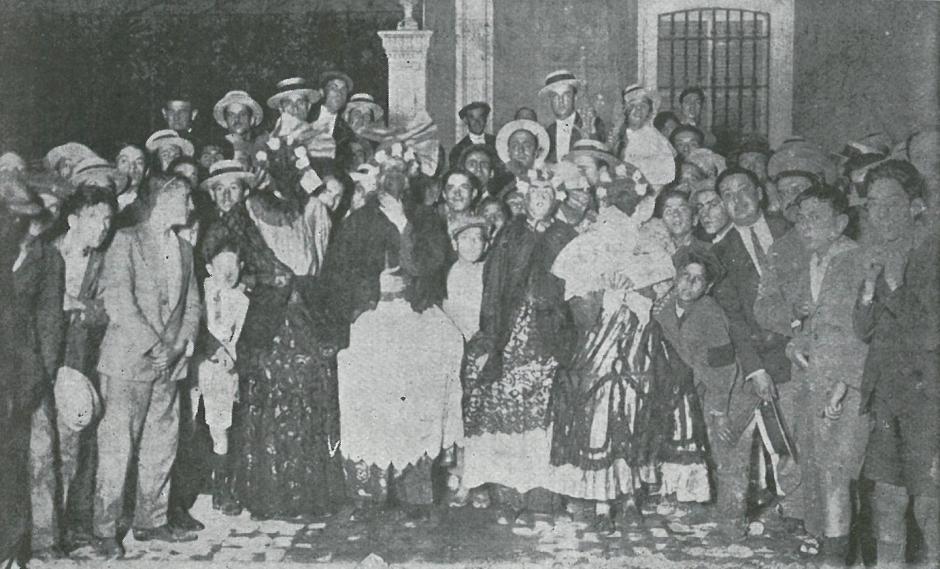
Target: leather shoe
{"points": [[181, 519], [163, 533], [107, 548]]}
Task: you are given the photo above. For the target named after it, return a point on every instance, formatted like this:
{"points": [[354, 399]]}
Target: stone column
{"points": [[474, 71], [407, 51]]}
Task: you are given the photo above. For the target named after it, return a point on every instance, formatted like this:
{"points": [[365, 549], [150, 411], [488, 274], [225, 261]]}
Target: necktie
{"points": [[759, 252]]}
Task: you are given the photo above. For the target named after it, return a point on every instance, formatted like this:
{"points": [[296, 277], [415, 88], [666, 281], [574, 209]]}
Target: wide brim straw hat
{"points": [[77, 402], [240, 98], [366, 102], [594, 149], [637, 92], [94, 168], [74, 151], [227, 170], [293, 86], [537, 130], [559, 81], [168, 137]]}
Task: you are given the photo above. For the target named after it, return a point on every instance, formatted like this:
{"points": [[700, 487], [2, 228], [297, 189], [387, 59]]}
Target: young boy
{"points": [[698, 329], [226, 306]]}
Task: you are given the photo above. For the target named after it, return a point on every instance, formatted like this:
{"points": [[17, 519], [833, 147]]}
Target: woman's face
{"points": [[91, 224], [131, 162], [539, 202], [458, 193], [523, 148], [227, 194], [638, 113], [677, 216]]}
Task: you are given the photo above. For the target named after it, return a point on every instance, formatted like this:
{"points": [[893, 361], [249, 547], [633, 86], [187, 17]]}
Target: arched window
{"points": [[739, 51]]}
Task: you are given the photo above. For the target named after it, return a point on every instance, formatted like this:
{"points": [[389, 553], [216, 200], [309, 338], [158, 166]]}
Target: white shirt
{"points": [[817, 272], [326, 121], [720, 235], [464, 296], [477, 138], [225, 312], [563, 130], [764, 236]]}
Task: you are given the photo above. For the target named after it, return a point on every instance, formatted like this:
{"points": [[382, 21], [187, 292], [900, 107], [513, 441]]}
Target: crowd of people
{"points": [[571, 319]]}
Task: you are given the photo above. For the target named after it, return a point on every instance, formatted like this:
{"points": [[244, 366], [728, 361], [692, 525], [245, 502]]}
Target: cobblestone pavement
{"points": [[462, 537]]}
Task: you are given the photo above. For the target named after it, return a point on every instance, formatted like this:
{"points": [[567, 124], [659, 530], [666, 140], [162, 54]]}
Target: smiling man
{"points": [[561, 87]]}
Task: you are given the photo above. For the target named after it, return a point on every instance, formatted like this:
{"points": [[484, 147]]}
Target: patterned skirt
{"points": [[286, 431]]}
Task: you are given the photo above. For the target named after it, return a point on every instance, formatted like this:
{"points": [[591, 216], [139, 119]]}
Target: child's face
{"points": [[691, 283], [225, 267], [470, 244]]}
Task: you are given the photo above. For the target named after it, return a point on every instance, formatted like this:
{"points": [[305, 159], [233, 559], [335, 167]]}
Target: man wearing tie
{"points": [[562, 89], [761, 353]]}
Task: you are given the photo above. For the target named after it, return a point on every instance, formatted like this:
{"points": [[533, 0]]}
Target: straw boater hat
{"points": [[537, 130], [462, 113], [328, 76], [559, 80], [595, 149], [226, 170], [240, 98], [73, 151], [366, 102], [96, 170], [797, 156], [636, 93], [167, 137], [77, 402], [293, 86]]}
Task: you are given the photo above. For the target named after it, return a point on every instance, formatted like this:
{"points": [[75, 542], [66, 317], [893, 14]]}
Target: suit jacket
{"points": [[454, 157], [756, 347], [140, 314], [576, 134], [826, 335]]}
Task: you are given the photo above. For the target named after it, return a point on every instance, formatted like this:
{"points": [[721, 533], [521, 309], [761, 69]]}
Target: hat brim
{"points": [[313, 95], [248, 176], [218, 112], [378, 113], [559, 86], [609, 159], [184, 145], [510, 128], [480, 224]]}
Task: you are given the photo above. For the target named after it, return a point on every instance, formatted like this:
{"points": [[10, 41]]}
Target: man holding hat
{"points": [[238, 113], [474, 116], [562, 86]]}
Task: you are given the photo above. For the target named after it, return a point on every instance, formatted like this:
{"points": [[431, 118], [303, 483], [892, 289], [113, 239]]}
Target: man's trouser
{"points": [[141, 419]]}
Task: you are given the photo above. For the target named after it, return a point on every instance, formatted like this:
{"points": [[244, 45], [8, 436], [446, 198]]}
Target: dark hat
{"points": [[294, 85], [328, 76], [462, 113]]}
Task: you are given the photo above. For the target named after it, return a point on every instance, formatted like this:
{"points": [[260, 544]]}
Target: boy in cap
{"points": [[474, 116]]}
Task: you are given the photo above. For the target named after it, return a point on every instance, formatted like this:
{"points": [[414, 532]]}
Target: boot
{"points": [[223, 498]]}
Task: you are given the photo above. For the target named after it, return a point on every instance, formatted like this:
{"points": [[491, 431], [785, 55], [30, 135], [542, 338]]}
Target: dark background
{"points": [[97, 72]]}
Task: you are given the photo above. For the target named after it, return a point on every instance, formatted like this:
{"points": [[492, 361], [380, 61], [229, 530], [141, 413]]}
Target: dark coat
{"points": [[576, 134], [756, 347], [454, 157]]}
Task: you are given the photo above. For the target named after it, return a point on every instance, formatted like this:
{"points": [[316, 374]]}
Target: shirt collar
{"points": [[477, 138], [567, 121]]}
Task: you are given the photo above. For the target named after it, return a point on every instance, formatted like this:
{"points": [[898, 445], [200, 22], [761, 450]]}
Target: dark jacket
{"points": [[453, 158], [576, 134], [756, 347]]}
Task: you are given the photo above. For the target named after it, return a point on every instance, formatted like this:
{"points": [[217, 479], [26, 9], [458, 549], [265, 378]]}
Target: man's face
{"points": [[755, 162], [523, 148], [741, 198], [358, 118], [173, 205], [562, 102], [167, 154], [238, 119], [539, 202], [691, 283], [889, 209], [210, 155], [692, 106], [818, 224], [471, 243], [475, 119], [394, 180], [677, 216], [226, 268], [494, 215], [179, 115], [226, 194], [332, 193], [710, 211], [516, 203], [131, 161], [686, 142], [588, 168], [788, 188], [295, 105], [638, 112], [478, 164], [335, 95], [91, 224], [669, 126], [690, 172], [458, 193]]}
